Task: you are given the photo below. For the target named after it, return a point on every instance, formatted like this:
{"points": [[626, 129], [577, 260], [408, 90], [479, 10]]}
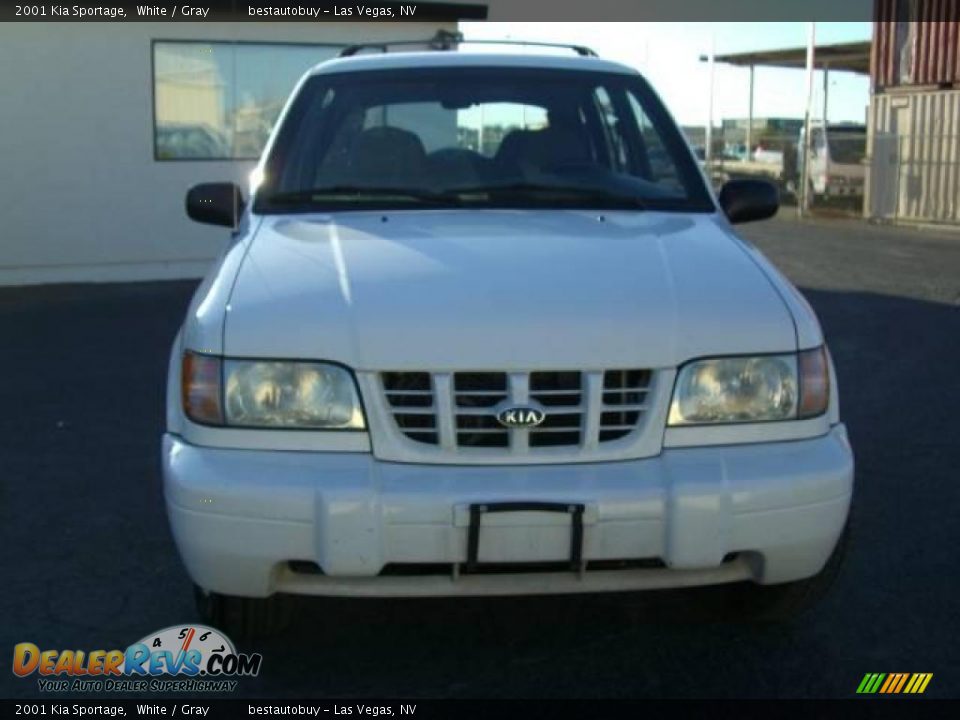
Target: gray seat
{"points": [[554, 147], [507, 158], [542, 150], [386, 157]]}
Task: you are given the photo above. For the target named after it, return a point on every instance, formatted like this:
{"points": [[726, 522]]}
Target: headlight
{"points": [[271, 394], [751, 389], [287, 394]]}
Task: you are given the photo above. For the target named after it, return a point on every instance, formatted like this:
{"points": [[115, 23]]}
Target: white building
{"points": [[104, 126]]}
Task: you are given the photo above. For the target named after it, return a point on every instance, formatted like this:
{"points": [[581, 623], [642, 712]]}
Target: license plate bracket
{"points": [[478, 510]]}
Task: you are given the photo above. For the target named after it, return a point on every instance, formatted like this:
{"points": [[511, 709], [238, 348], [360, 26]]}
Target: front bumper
{"points": [[240, 517]]}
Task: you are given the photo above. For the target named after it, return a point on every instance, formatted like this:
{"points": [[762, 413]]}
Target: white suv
{"points": [[484, 330]]}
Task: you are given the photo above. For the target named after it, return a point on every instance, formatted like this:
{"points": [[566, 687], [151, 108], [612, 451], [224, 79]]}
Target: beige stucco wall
{"points": [[82, 196]]}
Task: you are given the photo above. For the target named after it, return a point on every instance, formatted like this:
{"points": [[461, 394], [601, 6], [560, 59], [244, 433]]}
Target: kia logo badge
{"points": [[520, 417]]}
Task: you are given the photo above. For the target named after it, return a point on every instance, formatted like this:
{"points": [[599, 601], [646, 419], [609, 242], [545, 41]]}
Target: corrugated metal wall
{"points": [[932, 43], [914, 160]]}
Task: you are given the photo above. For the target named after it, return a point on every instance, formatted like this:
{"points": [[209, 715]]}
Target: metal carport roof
{"points": [[850, 57]]}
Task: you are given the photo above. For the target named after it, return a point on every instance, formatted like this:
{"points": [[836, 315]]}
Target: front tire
{"points": [[243, 617]]}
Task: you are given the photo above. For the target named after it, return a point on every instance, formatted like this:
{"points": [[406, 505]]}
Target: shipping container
{"points": [[914, 157], [915, 43]]}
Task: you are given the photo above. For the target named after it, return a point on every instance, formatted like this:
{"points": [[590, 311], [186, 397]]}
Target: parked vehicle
{"points": [[179, 141], [836, 160], [768, 156], [552, 366]]}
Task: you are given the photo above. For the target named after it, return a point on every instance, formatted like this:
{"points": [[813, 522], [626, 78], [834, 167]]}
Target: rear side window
{"points": [[661, 164]]}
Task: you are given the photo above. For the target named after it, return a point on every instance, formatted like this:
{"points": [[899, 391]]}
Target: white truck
{"points": [[836, 161], [541, 363]]}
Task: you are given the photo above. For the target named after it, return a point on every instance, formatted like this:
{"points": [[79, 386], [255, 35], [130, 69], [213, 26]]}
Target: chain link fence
{"points": [[889, 177], [837, 167]]}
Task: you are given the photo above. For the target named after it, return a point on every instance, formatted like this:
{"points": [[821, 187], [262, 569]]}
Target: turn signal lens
{"points": [[814, 383], [200, 388]]}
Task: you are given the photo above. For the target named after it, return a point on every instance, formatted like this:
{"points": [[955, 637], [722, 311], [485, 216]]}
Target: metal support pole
{"points": [[480, 139], [826, 91], [804, 205], [750, 120], [708, 150]]}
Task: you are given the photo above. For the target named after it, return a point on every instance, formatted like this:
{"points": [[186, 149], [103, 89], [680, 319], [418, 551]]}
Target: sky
{"points": [[668, 55]]}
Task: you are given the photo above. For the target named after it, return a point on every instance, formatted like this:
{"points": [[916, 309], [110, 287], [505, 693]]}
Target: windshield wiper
{"points": [[571, 191], [454, 195], [337, 192]]}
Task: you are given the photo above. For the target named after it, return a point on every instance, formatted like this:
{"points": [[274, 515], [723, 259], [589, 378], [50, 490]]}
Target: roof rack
{"points": [[446, 40]]}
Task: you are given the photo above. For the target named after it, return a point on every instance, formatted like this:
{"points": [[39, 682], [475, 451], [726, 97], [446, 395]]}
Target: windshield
{"points": [[847, 147], [479, 137]]}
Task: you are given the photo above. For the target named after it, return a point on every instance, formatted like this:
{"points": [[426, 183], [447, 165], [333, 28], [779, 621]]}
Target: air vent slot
{"points": [[624, 402], [410, 396]]}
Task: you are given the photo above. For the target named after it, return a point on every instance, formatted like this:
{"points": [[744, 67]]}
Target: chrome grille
{"points": [[582, 409]]}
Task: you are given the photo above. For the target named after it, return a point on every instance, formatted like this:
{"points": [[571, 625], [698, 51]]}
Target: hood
{"points": [[501, 289]]}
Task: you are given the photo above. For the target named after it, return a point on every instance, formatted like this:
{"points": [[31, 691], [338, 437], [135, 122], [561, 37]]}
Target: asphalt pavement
{"points": [[87, 560]]}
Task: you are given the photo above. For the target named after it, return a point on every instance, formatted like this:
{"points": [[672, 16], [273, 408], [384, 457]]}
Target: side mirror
{"points": [[749, 200], [215, 204]]}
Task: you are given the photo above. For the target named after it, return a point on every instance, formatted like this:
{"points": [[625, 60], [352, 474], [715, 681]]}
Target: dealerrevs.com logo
{"points": [[180, 658]]}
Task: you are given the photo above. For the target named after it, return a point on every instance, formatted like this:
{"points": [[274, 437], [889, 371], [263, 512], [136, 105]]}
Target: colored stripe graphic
{"points": [[892, 679], [923, 679], [894, 683], [870, 683]]}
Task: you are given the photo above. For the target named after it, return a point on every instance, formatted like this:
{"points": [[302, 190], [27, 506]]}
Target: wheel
{"points": [[788, 601], [244, 617]]}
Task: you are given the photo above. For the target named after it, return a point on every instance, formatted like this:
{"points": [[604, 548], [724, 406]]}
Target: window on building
{"points": [[219, 100]]}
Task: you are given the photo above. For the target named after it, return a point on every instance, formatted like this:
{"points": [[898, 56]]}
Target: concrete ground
{"points": [[87, 561]]}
